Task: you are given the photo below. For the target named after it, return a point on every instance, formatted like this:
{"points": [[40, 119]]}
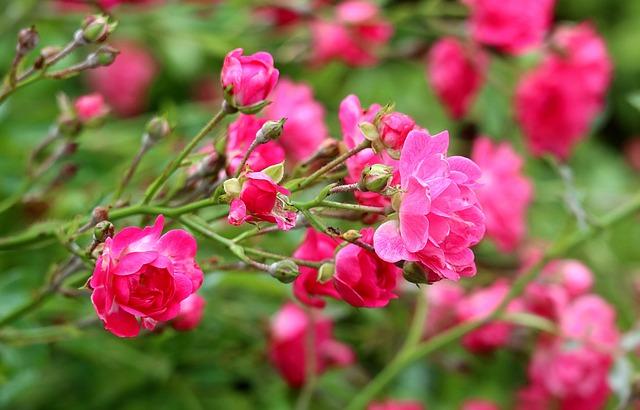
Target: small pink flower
{"points": [[240, 135], [306, 288], [591, 321], [479, 405], [361, 278], [442, 298], [513, 26], [456, 72], [288, 344], [394, 128], [260, 201], [90, 107], [504, 192], [125, 83], [439, 218], [396, 405], [144, 276], [250, 78], [305, 129], [191, 311], [353, 36]]}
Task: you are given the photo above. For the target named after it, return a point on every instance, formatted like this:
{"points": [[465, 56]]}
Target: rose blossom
{"points": [[240, 134], [439, 218], [90, 106], [396, 405], [191, 311], [591, 321], [361, 278], [504, 192], [125, 83], [288, 344], [305, 129], [354, 35], [260, 200], [479, 405], [442, 299], [456, 72], [513, 26], [142, 275], [250, 78], [394, 128], [316, 246]]}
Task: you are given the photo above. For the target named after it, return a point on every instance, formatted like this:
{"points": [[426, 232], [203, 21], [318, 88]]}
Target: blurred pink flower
{"points": [[439, 217], [477, 404], [396, 405], [125, 83], [504, 192], [240, 135], [250, 78], [591, 321], [456, 72], [290, 329], [513, 26], [191, 311], [442, 299], [90, 107], [142, 275]]}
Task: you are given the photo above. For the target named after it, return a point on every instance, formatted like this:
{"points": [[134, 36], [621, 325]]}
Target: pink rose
{"points": [[90, 107], [316, 246], [251, 78], [591, 321], [396, 405], [260, 200], [513, 26], [361, 278], [290, 329], [504, 192], [305, 129], [125, 83], [479, 405], [142, 275], [240, 135], [442, 298], [354, 36], [439, 217], [456, 72], [394, 128], [191, 311]]}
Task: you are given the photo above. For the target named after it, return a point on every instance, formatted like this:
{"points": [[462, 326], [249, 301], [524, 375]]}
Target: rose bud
{"points": [[104, 56], [191, 311], [96, 29], [285, 271], [102, 231], [248, 80], [90, 107], [325, 273], [394, 128], [375, 178], [271, 130], [27, 40], [158, 128]]}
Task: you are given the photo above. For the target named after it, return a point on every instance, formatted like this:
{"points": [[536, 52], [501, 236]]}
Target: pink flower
{"points": [[260, 200], [240, 135], [142, 275], [513, 26], [439, 218], [591, 321], [125, 83], [394, 128], [315, 247], [396, 405], [504, 192], [442, 298], [456, 72], [90, 106], [353, 36], [288, 343], [479, 405], [361, 278], [250, 78], [479, 305], [191, 311], [305, 129]]}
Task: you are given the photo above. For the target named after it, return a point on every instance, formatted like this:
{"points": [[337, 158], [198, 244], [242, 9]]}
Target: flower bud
{"points": [[103, 56], [99, 214], [102, 231], [351, 235], [325, 273], [96, 28], [158, 128], [414, 273], [232, 187], [286, 271], [271, 130], [375, 178], [27, 40]]}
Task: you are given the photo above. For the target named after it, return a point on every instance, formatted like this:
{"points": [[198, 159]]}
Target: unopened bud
{"points": [[271, 130], [351, 235], [103, 56], [96, 28], [414, 273], [375, 178], [99, 214], [285, 271], [158, 128], [232, 187], [325, 272], [102, 231], [27, 40]]}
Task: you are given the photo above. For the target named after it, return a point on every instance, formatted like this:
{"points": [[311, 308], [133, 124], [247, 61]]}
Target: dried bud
{"points": [[158, 128], [102, 231], [96, 28], [285, 271], [414, 273], [351, 235], [99, 214], [27, 40], [325, 273], [271, 130], [375, 178]]}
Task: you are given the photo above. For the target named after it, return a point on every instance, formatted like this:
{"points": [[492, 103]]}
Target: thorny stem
{"points": [[345, 188], [245, 158]]}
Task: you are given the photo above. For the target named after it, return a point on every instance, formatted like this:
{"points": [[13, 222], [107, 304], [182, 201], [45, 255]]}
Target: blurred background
{"points": [[176, 50]]}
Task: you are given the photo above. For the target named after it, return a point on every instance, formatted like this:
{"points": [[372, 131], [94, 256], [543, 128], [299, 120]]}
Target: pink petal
{"points": [[388, 243]]}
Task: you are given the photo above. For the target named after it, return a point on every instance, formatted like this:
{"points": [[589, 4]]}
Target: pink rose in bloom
{"points": [[305, 129], [90, 106], [480, 304], [479, 405], [442, 298], [240, 135], [191, 311], [288, 341], [396, 405], [361, 278], [513, 26], [142, 277], [316, 246], [394, 128], [125, 83], [250, 78], [353, 36], [504, 192], [591, 321], [456, 72], [439, 217], [260, 201]]}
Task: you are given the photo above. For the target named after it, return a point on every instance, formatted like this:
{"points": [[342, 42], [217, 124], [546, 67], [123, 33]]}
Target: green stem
{"points": [[269, 255], [353, 207], [416, 330]]}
